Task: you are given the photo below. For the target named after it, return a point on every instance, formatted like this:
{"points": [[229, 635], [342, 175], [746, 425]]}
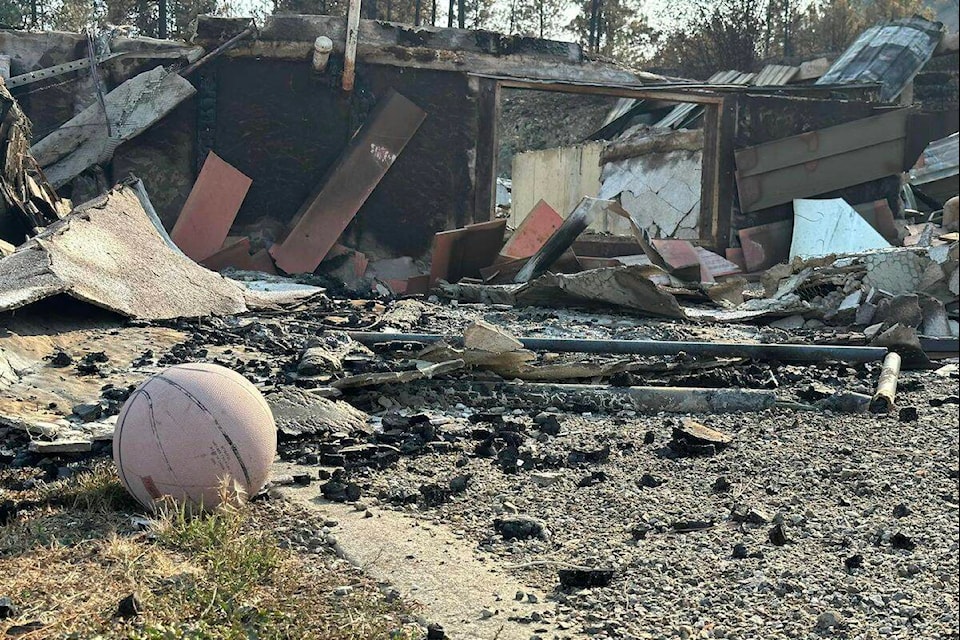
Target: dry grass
{"points": [[70, 558]]}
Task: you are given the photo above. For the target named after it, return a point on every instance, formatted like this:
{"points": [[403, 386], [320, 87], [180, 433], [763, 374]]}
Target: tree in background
{"points": [[78, 15], [739, 34], [535, 18], [834, 24], [11, 15], [615, 29], [729, 35]]}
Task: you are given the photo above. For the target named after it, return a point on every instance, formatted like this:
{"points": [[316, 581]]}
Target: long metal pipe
{"points": [[226, 46], [781, 352]]}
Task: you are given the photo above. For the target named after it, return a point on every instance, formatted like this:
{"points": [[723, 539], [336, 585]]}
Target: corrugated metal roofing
{"points": [[890, 54], [684, 114], [621, 108], [775, 75], [941, 159]]}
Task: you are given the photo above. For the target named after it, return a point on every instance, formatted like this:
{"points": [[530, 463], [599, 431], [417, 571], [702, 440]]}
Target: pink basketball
{"points": [[190, 429]]}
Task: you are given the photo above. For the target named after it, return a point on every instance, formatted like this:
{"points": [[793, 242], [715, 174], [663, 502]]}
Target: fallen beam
{"points": [[131, 108], [781, 352], [216, 53], [361, 166], [606, 398]]}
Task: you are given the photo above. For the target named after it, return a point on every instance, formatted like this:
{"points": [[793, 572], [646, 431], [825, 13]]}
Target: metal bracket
{"points": [[77, 65]]}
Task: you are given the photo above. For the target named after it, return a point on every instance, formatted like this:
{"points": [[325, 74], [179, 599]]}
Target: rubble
{"points": [[536, 388], [94, 134], [24, 191]]}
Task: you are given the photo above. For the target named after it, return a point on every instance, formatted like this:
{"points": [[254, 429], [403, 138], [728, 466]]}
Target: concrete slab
{"points": [[430, 565]]}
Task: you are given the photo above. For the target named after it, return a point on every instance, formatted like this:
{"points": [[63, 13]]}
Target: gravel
{"points": [[810, 524]]}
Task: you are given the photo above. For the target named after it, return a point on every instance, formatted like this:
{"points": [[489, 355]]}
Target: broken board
{"points": [[130, 109], [210, 209], [364, 162]]}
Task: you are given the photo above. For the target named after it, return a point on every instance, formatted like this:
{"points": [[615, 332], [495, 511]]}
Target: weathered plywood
{"points": [[130, 109], [561, 177], [818, 162], [210, 209]]}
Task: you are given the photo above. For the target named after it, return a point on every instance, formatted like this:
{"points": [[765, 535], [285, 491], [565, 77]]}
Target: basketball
{"points": [[190, 431]]}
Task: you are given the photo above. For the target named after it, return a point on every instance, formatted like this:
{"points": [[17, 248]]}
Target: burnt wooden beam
{"points": [[350, 45], [671, 92], [289, 37], [717, 177], [488, 145]]}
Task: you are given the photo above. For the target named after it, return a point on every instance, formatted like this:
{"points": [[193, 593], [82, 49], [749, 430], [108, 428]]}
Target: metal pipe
{"points": [[781, 352], [229, 44], [322, 47], [884, 400]]}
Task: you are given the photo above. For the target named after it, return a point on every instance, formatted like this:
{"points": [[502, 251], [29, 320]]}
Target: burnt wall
{"points": [[163, 157], [285, 126], [762, 119], [937, 87]]}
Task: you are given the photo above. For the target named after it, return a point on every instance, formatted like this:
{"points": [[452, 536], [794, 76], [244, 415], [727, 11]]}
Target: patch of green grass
{"points": [[98, 490], [72, 556]]}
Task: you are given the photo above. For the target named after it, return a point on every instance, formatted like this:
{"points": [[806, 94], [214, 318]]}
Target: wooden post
{"points": [[350, 50], [462, 14], [488, 144], [716, 182]]}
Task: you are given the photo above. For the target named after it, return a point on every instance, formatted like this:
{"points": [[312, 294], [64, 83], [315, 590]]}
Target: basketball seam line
{"points": [[119, 443], [156, 433], [256, 396], [230, 442]]}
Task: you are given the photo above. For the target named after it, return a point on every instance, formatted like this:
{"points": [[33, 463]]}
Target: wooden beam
{"points": [[488, 145], [671, 93], [716, 182], [350, 45], [291, 37]]}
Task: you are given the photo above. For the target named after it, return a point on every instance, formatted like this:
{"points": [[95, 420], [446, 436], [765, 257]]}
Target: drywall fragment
{"points": [[823, 227]]}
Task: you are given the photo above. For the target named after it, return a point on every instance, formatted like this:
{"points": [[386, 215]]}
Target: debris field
{"points": [[693, 376]]}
